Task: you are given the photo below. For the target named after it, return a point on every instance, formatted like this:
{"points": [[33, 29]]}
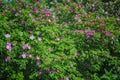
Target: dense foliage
{"points": [[60, 40]]}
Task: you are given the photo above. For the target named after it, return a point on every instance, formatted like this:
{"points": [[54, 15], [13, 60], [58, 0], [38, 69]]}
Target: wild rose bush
{"points": [[58, 41]]}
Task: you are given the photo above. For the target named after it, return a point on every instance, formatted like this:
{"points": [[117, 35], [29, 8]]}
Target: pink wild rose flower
{"points": [[40, 72], [67, 78], [7, 59], [24, 55], [32, 37], [8, 46], [7, 35]]}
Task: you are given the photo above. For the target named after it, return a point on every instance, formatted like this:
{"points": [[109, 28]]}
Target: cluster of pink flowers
{"points": [[85, 27], [77, 17], [26, 46], [79, 31], [47, 12], [88, 32]]}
